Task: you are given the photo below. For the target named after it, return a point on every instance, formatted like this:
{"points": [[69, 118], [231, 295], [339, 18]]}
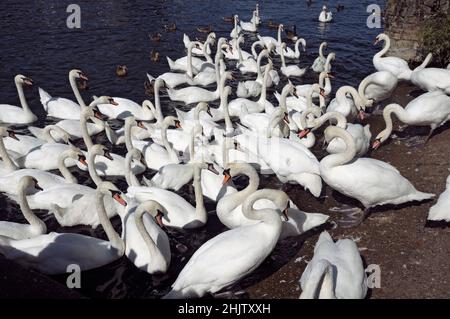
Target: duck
{"points": [[154, 56], [439, 211], [11, 114], [63, 108], [148, 87], [229, 208], [292, 34], [121, 71], [290, 70], [372, 182], [229, 19], [155, 37], [336, 271], [272, 25], [52, 253], [35, 226], [319, 63], [171, 27], [377, 87], [247, 246], [325, 16], [432, 108], [207, 29]]}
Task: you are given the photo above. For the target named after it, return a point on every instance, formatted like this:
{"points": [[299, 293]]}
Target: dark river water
{"points": [[37, 43]]}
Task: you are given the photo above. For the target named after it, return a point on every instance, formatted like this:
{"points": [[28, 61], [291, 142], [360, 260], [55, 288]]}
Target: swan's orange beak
{"points": [[82, 160], [28, 81], [376, 144], [159, 219], [84, 77], [361, 115], [107, 154], [303, 133], [322, 92], [226, 176], [375, 42], [285, 214], [330, 75], [119, 199], [177, 124], [12, 135], [286, 118], [140, 124], [111, 101]]}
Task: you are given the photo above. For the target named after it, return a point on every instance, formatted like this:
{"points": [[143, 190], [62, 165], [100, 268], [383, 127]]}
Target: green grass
{"points": [[436, 38]]}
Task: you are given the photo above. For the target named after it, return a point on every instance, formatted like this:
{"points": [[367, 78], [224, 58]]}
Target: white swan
{"points": [[272, 41], [249, 26], [368, 180], [290, 70], [324, 82], [35, 226], [319, 63], [256, 17], [440, 211], [253, 88], [209, 269], [432, 108], [325, 16], [432, 79], [121, 108], [63, 108], [236, 29], [229, 208], [13, 114], [146, 244], [52, 253], [377, 87], [290, 161], [395, 65], [336, 271], [349, 107], [293, 54], [361, 135], [300, 103]]}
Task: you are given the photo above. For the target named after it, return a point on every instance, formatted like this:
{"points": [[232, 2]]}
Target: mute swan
{"points": [[330, 57], [349, 107], [247, 246], [121, 108], [201, 48], [46, 179], [361, 135], [13, 114], [336, 271], [256, 17], [206, 122], [377, 87], [253, 88], [237, 29], [325, 16], [272, 41], [35, 226], [233, 51], [440, 211], [324, 82], [368, 180], [181, 214], [290, 161], [319, 63], [63, 108], [249, 26], [229, 208], [300, 103], [395, 65], [146, 244], [432, 108], [432, 79], [291, 54], [193, 94], [290, 70], [52, 253], [72, 204]]}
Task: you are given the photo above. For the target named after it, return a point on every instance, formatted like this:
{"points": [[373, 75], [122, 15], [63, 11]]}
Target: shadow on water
{"points": [[116, 33]]}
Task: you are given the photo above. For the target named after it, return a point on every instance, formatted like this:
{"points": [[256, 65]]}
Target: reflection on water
{"points": [[38, 44]]}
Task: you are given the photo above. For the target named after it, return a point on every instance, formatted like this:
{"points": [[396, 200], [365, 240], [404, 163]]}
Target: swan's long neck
{"points": [[205, 51], [128, 140], [279, 35], [328, 62], [397, 110], [275, 120], [342, 98], [5, 157], [217, 58], [268, 216], [68, 176], [258, 64], [138, 218], [362, 88], [167, 145], [263, 96], [322, 79], [387, 45], [200, 210], [31, 218], [130, 177], [320, 282], [22, 98], [76, 92], [321, 51], [159, 115], [341, 120], [343, 158], [241, 58], [113, 237], [91, 168], [226, 114], [256, 43], [283, 60], [221, 84], [189, 72], [84, 131]]}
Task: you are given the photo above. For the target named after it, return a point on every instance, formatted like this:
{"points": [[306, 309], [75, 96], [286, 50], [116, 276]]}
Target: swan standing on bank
{"points": [[209, 269], [336, 271], [368, 180], [432, 79], [63, 108], [52, 253], [18, 115], [377, 87], [440, 211]]}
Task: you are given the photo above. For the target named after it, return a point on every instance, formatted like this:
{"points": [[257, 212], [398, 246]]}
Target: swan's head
{"points": [[203, 107], [324, 7], [209, 166], [23, 80], [172, 121], [76, 154], [236, 18], [282, 202], [211, 37], [281, 26], [78, 74], [88, 113], [62, 132], [4, 132], [380, 37], [109, 189], [155, 209], [316, 88], [235, 169], [381, 137], [137, 155], [29, 182], [104, 99], [303, 43], [100, 150]]}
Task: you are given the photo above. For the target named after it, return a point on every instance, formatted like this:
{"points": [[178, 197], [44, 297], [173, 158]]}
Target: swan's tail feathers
{"points": [[425, 62], [45, 98], [171, 63], [313, 220], [37, 132], [311, 182], [150, 77], [420, 196]]}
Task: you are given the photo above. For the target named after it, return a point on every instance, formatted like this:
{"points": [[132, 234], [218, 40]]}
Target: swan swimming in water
{"points": [[13, 114]]}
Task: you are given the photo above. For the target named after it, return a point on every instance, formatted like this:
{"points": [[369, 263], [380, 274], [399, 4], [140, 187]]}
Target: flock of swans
{"points": [[246, 136]]}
